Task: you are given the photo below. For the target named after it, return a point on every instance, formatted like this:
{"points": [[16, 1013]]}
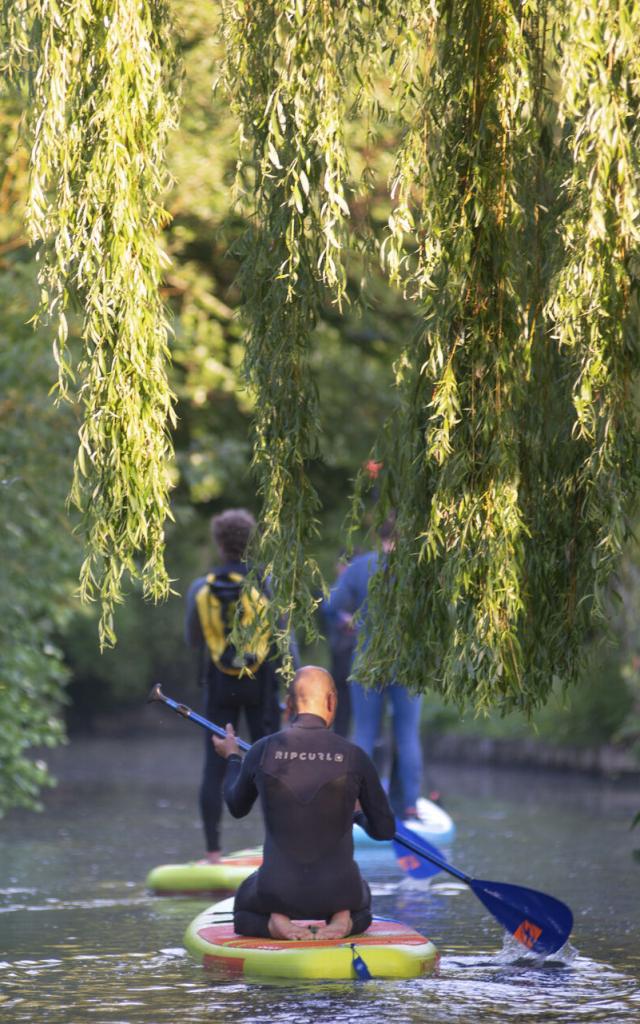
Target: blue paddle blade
{"points": [[540, 922], [409, 859]]}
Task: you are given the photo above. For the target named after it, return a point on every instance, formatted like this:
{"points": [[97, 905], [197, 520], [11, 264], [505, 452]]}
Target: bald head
{"points": [[313, 692]]}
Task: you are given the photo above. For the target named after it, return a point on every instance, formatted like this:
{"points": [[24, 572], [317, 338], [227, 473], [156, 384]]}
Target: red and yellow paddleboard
{"points": [[388, 948], [198, 878]]}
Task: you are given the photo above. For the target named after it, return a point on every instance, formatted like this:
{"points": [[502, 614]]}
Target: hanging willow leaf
{"points": [[513, 229], [507, 465], [594, 301], [102, 104], [288, 70], [453, 587]]}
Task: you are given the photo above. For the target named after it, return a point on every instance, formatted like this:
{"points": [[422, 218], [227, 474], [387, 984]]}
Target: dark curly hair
{"points": [[232, 530]]}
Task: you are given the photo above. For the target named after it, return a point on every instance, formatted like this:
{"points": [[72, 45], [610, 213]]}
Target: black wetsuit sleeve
{"points": [[240, 791], [377, 818]]}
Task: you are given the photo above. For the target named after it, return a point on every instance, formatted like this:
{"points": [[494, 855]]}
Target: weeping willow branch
{"points": [[513, 462], [594, 301], [452, 592], [515, 465], [288, 70], [103, 103]]}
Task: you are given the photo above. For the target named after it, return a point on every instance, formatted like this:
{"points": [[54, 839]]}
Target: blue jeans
{"points": [[367, 706]]}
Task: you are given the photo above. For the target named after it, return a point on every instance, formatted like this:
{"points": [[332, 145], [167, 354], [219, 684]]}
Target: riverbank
{"points": [[605, 761]]}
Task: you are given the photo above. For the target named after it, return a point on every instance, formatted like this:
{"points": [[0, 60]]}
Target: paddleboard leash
{"points": [[362, 971]]}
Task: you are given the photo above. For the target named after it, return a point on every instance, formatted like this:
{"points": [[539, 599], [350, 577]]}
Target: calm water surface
{"points": [[81, 941]]}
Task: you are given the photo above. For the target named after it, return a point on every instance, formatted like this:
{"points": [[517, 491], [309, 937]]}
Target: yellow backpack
{"points": [[216, 601]]}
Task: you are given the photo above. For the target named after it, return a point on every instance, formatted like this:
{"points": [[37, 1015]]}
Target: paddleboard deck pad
{"points": [[201, 878], [433, 824], [388, 948]]}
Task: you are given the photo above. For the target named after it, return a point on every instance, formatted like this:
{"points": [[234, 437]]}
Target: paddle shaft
{"points": [[187, 712]]}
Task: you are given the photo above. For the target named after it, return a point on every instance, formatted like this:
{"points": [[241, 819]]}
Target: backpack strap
{"points": [[211, 620]]}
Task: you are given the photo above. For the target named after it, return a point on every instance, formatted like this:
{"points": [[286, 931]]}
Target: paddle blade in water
{"points": [[408, 855], [540, 922]]}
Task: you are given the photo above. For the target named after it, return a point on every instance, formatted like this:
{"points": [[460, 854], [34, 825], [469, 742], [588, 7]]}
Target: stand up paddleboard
{"points": [[389, 950], [433, 825], [198, 878]]}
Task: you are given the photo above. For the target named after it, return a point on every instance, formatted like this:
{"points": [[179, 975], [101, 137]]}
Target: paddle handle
{"points": [[187, 712]]}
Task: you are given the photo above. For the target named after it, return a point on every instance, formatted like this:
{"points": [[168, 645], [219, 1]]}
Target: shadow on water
{"points": [[80, 940]]}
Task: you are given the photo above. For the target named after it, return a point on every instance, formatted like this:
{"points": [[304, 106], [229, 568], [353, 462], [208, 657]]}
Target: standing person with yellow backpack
{"points": [[235, 681]]}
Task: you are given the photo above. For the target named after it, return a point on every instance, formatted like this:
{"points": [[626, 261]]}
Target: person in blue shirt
{"points": [[349, 596], [341, 637]]}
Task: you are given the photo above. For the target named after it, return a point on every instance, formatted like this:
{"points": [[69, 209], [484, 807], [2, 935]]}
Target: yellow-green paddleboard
{"points": [[388, 948], [198, 878]]}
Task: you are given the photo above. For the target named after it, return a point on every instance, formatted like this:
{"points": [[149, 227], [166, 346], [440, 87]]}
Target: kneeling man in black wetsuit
{"points": [[308, 779]]}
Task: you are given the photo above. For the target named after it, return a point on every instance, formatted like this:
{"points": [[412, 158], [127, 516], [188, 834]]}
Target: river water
{"points": [[81, 941]]}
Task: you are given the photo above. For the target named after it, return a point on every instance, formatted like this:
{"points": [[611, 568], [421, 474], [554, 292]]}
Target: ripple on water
{"points": [[165, 986], [570, 990]]}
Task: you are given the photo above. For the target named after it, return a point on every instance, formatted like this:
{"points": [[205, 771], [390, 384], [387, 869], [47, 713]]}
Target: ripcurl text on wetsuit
{"points": [[308, 779]]}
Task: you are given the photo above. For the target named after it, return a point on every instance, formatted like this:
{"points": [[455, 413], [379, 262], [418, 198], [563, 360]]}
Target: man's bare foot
{"points": [[282, 927], [337, 928], [213, 857]]}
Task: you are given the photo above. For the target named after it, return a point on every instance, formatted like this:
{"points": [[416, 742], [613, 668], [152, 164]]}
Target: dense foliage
{"points": [[513, 461], [36, 550], [57, 640], [39, 558], [102, 102], [428, 214]]}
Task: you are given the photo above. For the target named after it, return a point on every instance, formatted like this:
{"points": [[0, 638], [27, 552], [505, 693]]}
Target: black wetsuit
{"points": [[308, 779], [260, 707]]}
